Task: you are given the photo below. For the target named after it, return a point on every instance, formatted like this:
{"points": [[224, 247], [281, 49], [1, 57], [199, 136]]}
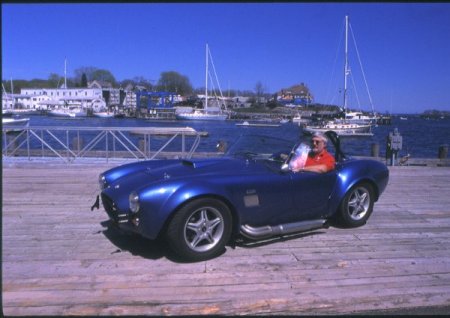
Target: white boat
{"points": [[358, 117], [297, 119], [18, 111], [347, 126], [342, 129], [104, 114], [70, 112], [202, 115], [15, 123], [206, 113], [248, 124]]}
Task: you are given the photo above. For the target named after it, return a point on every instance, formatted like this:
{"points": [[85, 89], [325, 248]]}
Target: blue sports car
{"points": [[201, 205]]}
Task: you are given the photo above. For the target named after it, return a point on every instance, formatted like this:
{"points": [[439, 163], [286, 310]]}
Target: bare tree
{"points": [[259, 92]]}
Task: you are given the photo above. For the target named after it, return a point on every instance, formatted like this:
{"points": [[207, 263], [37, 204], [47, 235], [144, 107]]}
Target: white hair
{"points": [[321, 136]]}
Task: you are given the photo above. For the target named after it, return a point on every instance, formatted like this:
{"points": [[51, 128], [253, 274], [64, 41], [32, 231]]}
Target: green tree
{"points": [[174, 82], [103, 76], [84, 82], [94, 74], [54, 80], [86, 70]]}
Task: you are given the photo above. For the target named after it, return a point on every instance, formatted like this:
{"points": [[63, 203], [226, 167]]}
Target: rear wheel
{"points": [[357, 205], [200, 229]]}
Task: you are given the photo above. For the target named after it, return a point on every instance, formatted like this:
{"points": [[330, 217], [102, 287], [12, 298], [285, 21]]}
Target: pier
{"points": [[74, 144], [69, 145], [61, 258]]}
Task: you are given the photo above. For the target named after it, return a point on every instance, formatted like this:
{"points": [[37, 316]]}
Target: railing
{"points": [[71, 143]]}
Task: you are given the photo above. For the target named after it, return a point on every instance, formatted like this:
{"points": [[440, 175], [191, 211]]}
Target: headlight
{"points": [[101, 181], [134, 202]]}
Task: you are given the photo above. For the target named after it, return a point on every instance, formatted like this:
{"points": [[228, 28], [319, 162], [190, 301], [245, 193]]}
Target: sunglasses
{"points": [[316, 142]]}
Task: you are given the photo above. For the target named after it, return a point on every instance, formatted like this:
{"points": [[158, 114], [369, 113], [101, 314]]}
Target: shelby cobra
{"points": [[201, 205]]}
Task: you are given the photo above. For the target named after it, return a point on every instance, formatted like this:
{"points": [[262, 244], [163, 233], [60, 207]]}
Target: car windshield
{"points": [[269, 148], [260, 146]]}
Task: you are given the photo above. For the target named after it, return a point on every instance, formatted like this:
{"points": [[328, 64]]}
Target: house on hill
{"points": [[294, 96]]}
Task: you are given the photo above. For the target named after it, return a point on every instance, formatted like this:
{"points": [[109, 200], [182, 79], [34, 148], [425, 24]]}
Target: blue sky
{"points": [[404, 48]]}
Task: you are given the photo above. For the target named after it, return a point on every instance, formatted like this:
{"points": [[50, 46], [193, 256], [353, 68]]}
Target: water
{"points": [[421, 137]]}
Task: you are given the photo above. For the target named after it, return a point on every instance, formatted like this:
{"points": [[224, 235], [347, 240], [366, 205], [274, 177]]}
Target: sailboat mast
{"points": [[206, 79], [346, 71], [65, 73]]}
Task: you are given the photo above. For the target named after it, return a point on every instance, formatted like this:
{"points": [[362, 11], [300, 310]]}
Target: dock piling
{"points": [[443, 151]]}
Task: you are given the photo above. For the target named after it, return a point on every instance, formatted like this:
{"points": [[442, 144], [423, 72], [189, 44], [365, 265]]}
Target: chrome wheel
{"points": [[200, 229], [359, 203], [204, 229]]}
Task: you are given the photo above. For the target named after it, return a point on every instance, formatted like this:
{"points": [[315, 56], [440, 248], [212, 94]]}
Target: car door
{"points": [[264, 199], [311, 192]]}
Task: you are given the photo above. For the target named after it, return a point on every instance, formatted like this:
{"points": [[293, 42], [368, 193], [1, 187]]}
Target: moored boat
{"points": [[201, 115], [15, 123], [206, 113], [104, 114], [71, 112], [342, 129], [353, 123], [248, 124]]}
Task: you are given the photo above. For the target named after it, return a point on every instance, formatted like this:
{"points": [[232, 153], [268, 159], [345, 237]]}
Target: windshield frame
{"points": [[268, 148], [259, 146]]}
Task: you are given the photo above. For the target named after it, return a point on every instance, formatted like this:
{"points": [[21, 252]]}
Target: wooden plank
{"points": [[58, 258]]}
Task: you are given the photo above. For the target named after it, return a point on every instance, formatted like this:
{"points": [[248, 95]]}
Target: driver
{"points": [[319, 159]]}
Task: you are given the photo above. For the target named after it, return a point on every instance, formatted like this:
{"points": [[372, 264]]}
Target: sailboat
{"points": [[10, 120], [206, 113], [343, 127]]}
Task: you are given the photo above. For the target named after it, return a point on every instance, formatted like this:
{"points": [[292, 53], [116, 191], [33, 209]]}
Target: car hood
{"points": [[146, 173]]}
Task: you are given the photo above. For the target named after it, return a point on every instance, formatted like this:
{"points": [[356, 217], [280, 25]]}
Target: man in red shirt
{"points": [[319, 159]]}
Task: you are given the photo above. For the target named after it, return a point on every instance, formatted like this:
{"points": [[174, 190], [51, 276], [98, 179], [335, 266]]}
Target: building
{"points": [[49, 98], [297, 95]]}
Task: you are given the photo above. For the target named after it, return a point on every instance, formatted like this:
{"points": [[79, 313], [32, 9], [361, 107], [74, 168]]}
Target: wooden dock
{"points": [[59, 257]]}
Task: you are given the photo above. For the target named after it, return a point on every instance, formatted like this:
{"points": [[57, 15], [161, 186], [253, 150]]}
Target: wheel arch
{"points": [[214, 196], [342, 191]]}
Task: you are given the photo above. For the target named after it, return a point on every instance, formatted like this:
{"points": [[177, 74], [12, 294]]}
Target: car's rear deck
{"points": [[59, 258]]}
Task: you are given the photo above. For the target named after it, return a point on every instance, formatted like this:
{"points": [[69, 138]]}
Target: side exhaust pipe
{"points": [[263, 232]]}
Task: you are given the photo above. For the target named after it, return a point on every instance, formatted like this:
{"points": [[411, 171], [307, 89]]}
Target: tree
{"points": [[103, 76], [54, 80], [94, 74], [84, 80], [259, 92], [86, 70], [174, 82]]}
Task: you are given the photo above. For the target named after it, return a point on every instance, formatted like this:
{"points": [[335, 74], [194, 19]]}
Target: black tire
{"points": [[200, 229], [357, 205]]}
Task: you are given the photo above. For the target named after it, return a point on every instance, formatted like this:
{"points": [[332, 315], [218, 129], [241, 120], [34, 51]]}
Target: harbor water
{"points": [[421, 137]]}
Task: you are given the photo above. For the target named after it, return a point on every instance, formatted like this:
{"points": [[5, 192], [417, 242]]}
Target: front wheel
{"points": [[357, 205], [200, 229]]}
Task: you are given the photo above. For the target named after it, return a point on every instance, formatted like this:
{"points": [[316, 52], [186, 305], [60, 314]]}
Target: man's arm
{"points": [[315, 168]]}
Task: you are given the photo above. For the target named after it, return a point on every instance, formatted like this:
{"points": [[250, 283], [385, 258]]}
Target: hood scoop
{"points": [[199, 163]]}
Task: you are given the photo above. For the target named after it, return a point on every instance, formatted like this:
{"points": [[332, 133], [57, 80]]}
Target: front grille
{"points": [[111, 209]]}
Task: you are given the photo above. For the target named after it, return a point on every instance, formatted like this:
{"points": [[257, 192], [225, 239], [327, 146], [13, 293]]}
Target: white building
{"points": [[44, 98], [7, 101]]}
